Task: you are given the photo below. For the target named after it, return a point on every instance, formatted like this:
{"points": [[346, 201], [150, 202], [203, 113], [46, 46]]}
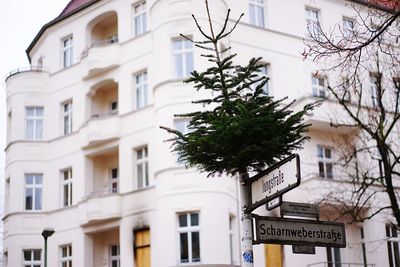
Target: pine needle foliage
{"points": [[240, 128]]}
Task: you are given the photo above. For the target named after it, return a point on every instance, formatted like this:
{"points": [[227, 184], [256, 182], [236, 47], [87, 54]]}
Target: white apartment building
{"points": [[85, 154]]}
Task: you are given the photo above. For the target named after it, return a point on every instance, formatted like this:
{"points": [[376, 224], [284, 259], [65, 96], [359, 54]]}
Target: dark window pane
{"points": [[194, 219], [64, 252], [182, 220], [38, 199], [114, 250], [114, 263], [28, 199], [321, 169], [184, 247], [36, 255], [195, 246], [27, 255], [328, 153], [114, 173], [329, 171]]}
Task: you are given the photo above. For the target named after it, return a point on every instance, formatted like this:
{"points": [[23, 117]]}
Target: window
{"points": [[142, 247], [333, 257], [393, 245], [182, 51], [142, 167], [325, 162], [114, 256], [348, 27], [67, 187], [32, 258], [34, 123], [66, 256], [189, 237], [312, 22], [318, 86], [374, 81], [33, 191], [67, 52], [139, 18], [231, 232], [263, 72], [141, 89], [114, 180], [114, 107], [256, 8], [363, 248], [182, 126], [67, 115]]}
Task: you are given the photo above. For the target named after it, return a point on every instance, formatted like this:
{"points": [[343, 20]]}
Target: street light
{"points": [[46, 233]]}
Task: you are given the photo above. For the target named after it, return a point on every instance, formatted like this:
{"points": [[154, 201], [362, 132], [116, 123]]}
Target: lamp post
{"points": [[46, 233]]}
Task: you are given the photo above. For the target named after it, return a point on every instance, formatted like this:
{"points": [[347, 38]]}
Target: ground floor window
{"points": [[142, 247], [189, 237], [114, 256], [333, 257], [393, 246], [66, 256], [32, 258]]}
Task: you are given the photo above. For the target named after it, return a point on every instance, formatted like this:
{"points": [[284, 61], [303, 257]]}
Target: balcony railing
{"points": [[113, 40], [341, 264], [26, 69]]}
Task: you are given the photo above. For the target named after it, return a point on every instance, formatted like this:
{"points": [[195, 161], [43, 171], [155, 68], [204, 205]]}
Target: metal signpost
{"points": [[274, 181], [299, 232]]}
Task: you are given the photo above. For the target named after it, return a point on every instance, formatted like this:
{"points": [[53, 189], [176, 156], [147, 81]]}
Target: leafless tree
{"points": [[363, 54]]}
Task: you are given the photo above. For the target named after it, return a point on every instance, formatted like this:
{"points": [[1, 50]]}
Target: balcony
{"points": [[102, 52], [99, 130], [100, 207], [328, 112], [27, 79]]}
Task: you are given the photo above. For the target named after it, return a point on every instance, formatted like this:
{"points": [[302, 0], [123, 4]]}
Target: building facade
{"points": [[85, 154]]}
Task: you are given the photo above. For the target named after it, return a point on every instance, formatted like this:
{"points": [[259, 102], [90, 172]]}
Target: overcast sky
{"points": [[20, 21]]}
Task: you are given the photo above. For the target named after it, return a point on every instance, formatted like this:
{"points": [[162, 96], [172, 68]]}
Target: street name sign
{"points": [[299, 232], [299, 209], [298, 249], [272, 204], [274, 181]]}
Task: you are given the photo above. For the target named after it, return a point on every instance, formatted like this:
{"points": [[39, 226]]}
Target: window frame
{"points": [[317, 89], [312, 21], [67, 117], [348, 31], [114, 180], [139, 18], [67, 51], [373, 80], [68, 259], [33, 186], [143, 162], [255, 19], [189, 229], [69, 184], [141, 89], [115, 257], [181, 56], [32, 262], [35, 118], [324, 160]]}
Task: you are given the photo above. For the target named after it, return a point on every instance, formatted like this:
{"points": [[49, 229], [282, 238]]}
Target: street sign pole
{"points": [[246, 222]]}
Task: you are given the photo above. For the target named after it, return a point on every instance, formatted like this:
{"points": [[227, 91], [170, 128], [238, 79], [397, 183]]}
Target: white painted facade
{"points": [[105, 137]]}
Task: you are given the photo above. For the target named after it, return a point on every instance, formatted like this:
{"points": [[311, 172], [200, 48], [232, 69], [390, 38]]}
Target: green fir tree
{"points": [[239, 128]]}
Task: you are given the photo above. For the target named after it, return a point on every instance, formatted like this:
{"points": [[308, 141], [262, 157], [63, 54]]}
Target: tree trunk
{"points": [[246, 224]]}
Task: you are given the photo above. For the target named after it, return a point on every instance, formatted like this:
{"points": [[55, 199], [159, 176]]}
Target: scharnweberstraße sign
{"points": [[274, 181], [299, 232]]}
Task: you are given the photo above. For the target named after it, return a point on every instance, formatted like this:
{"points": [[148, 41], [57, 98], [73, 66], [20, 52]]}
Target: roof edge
{"points": [[53, 22]]}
